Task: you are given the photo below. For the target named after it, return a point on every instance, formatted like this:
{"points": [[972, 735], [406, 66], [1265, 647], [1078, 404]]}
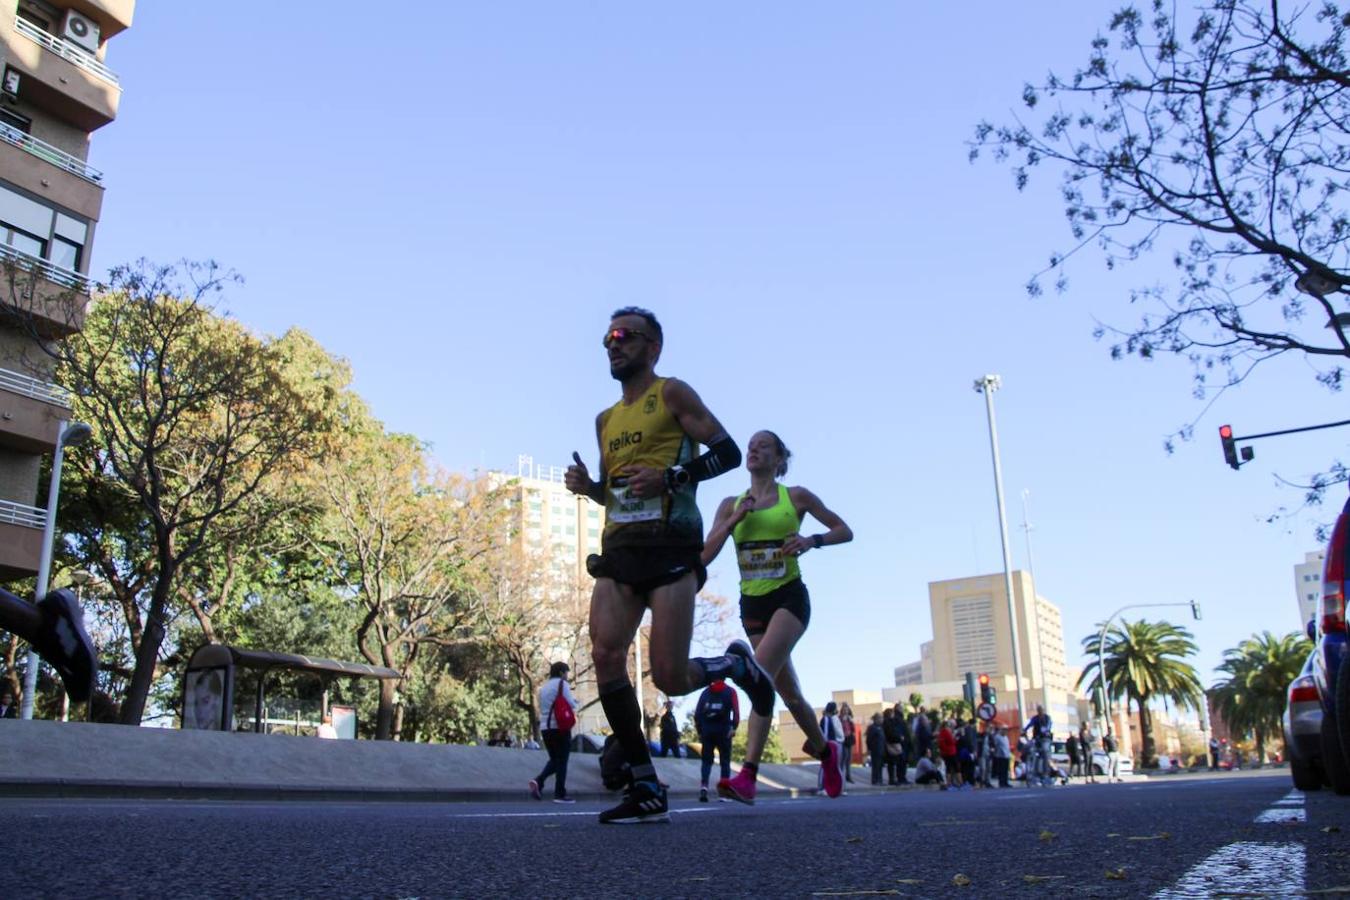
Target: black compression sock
{"points": [[619, 701], [751, 769]]}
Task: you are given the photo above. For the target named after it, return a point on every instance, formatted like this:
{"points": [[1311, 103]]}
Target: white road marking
{"points": [[1282, 814], [1276, 869]]}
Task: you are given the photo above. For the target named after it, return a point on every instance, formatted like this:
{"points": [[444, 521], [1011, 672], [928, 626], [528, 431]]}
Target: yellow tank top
{"points": [[759, 541], [646, 433]]}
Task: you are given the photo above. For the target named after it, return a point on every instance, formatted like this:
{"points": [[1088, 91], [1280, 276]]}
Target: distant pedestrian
{"points": [[895, 749], [921, 733], [715, 719], [929, 770], [1042, 738], [1002, 756], [946, 747], [876, 746], [1087, 744], [850, 740], [1075, 759], [557, 739], [1214, 753], [833, 729], [1112, 756], [326, 729], [670, 732]]}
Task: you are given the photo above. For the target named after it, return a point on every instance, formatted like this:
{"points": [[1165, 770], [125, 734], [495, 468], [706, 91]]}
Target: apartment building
{"points": [[56, 89], [1308, 586]]}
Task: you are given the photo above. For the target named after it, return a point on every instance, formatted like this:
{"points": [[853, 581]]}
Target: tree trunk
{"points": [[384, 720], [1149, 749], [147, 659]]}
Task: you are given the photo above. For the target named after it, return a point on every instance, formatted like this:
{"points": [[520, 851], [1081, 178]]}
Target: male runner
{"points": [[650, 548]]}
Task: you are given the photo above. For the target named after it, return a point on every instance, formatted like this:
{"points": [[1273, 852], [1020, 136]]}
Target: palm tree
{"points": [[1252, 697], [1145, 661]]}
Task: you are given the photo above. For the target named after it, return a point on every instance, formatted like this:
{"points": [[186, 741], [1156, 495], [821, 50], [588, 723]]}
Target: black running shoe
{"points": [[756, 682], [65, 645], [641, 804]]}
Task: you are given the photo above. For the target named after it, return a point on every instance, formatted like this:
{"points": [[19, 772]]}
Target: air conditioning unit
{"points": [[80, 31]]}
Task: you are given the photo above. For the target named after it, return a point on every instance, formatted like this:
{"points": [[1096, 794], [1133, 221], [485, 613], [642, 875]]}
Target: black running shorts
{"points": [[646, 568], [757, 611]]}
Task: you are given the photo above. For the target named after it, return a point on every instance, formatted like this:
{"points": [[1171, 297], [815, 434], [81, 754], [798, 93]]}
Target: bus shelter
{"points": [[232, 689]]}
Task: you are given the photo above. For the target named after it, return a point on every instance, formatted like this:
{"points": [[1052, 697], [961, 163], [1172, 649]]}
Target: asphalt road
{"points": [[1222, 836]]}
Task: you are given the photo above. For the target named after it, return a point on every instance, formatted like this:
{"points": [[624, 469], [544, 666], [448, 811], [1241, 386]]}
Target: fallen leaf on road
{"points": [[909, 881], [1331, 829], [1047, 835], [1115, 874], [853, 840], [1160, 836], [1037, 879], [960, 880], [1113, 834]]}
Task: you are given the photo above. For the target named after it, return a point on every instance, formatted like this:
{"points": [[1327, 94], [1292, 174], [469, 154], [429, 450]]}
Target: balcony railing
{"points": [[12, 513], [53, 273], [18, 383], [66, 50], [54, 155]]}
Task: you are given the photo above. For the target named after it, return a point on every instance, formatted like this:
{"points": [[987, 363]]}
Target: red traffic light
{"points": [[984, 679], [1226, 432], [1230, 451]]}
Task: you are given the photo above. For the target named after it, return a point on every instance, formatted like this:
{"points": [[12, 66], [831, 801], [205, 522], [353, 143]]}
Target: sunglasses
{"points": [[622, 336]]}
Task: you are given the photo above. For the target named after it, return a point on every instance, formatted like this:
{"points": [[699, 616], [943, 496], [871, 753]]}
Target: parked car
{"points": [[1331, 674], [1059, 755], [1303, 730]]}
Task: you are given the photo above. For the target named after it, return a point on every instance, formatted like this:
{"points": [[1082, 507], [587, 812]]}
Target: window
{"points": [[20, 240], [14, 120]]}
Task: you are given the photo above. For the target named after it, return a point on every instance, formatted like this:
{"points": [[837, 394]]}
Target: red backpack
{"points": [[564, 719]]}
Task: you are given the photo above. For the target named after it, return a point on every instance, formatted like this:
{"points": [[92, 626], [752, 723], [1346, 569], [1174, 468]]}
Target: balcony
{"points": [[31, 412], [49, 299], [112, 16], [60, 179], [61, 77], [21, 530]]}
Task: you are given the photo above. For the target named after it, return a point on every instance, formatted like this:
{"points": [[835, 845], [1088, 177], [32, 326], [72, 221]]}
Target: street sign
{"points": [[986, 712]]}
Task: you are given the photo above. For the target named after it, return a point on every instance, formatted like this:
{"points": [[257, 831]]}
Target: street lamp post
{"points": [[1035, 600], [69, 436], [1101, 655], [986, 385]]}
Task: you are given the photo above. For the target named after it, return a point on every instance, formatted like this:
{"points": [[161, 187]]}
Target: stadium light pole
{"points": [[70, 435], [986, 385]]}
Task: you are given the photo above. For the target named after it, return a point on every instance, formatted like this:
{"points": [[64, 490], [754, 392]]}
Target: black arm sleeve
{"points": [[723, 455]]}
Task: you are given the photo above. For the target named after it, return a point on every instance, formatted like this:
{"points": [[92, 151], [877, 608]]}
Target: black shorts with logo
{"points": [[646, 568], [757, 611]]}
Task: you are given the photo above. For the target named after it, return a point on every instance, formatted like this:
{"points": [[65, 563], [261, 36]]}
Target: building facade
{"points": [[56, 89], [1308, 586]]}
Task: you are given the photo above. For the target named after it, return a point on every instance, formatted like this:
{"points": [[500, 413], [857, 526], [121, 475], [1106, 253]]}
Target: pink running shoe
{"points": [[829, 771], [740, 788]]}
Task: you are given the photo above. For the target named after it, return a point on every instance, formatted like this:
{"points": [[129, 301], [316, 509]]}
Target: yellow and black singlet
{"points": [[759, 541], [646, 433]]}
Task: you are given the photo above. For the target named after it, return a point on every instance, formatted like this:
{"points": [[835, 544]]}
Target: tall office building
{"points": [[1308, 586], [56, 91], [562, 529]]}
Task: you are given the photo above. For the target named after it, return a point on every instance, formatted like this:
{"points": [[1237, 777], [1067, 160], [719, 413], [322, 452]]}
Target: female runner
{"points": [[764, 522]]}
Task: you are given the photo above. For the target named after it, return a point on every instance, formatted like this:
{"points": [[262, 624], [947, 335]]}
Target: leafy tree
{"points": [[1220, 136], [192, 416], [915, 701], [1144, 661], [405, 540], [952, 708], [1252, 696]]}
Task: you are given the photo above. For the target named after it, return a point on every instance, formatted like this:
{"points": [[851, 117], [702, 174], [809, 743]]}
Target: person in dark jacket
{"points": [[897, 748], [876, 747], [670, 732], [715, 719], [921, 732]]}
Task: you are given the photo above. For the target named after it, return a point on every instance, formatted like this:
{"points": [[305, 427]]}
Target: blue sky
{"points": [[454, 199]]}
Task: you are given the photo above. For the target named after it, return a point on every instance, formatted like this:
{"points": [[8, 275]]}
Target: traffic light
{"points": [[969, 689], [1230, 455], [987, 692]]}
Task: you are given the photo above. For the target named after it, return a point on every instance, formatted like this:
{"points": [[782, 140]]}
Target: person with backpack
{"points": [[715, 719], [557, 716]]}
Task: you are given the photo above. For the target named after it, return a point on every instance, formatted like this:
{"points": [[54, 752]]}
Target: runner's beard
{"points": [[624, 371]]}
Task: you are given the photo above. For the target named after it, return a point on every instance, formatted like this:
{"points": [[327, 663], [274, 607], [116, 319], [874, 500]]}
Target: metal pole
{"points": [[987, 385], [44, 569], [1035, 600]]}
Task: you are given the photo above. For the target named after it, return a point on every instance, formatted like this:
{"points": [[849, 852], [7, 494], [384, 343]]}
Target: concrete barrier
{"points": [[59, 759]]}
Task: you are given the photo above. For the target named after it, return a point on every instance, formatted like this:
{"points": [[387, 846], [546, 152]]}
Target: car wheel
{"points": [[1342, 718], [1306, 778], [1333, 757]]}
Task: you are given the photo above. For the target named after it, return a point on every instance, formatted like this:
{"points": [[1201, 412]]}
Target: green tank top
{"points": [[759, 546]]}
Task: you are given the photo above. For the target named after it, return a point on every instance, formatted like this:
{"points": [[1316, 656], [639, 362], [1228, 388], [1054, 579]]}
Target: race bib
{"points": [[761, 560], [625, 508]]}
